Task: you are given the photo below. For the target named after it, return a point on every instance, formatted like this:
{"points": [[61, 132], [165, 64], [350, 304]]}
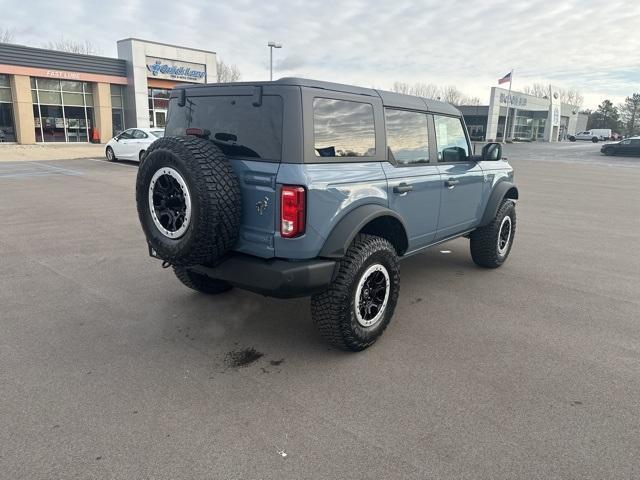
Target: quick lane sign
{"points": [[176, 70]]}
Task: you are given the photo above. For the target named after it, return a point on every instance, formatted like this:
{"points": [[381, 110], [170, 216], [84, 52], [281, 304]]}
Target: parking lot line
{"points": [[112, 163]]}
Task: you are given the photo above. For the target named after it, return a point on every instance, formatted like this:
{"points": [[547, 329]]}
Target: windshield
{"points": [[157, 133], [236, 126]]}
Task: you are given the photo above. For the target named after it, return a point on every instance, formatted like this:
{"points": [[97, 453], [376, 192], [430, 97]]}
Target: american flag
{"points": [[505, 79]]}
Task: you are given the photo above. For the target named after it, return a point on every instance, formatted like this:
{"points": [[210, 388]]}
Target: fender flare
{"points": [[338, 241], [502, 189]]}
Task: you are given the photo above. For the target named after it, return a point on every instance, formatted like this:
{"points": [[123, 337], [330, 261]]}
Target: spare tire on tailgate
{"points": [[188, 200]]}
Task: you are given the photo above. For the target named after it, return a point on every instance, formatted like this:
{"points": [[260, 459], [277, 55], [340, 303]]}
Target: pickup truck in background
{"points": [[595, 135]]}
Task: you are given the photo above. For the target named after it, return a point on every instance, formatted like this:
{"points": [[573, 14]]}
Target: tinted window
{"points": [[343, 128], [451, 140], [237, 127], [407, 136], [139, 134], [127, 134]]}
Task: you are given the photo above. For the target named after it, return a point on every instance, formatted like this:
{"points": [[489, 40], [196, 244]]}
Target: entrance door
{"points": [[159, 118]]}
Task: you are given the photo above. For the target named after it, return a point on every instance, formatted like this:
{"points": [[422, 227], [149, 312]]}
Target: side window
{"points": [[407, 136], [626, 142], [138, 134], [450, 139], [126, 135], [343, 128]]}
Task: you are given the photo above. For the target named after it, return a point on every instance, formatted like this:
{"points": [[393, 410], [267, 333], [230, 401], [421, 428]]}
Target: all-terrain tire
{"points": [[334, 310], [485, 241], [201, 283], [214, 193]]}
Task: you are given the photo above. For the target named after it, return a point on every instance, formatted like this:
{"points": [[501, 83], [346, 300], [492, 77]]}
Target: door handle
{"points": [[451, 183], [402, 188]]}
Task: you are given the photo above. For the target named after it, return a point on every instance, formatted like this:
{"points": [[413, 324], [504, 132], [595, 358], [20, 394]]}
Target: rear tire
{"points": [[141, 156], [201, 283], [358, 305], [490, 245]]}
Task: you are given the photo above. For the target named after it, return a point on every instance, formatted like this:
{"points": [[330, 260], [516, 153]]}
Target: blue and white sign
{"points": [[176, 70]]}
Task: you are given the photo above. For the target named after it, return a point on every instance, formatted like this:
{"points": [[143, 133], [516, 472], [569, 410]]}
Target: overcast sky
{"points": [[591, 45]]}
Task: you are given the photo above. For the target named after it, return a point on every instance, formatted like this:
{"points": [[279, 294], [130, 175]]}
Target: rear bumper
{"points": [[273, 277]]}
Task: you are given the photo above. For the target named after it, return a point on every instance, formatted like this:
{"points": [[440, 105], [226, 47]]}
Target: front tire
{"points": [[595, 139], [357, 307], [572, 139], [201, 283], [608, 152], [491, 244], [110, 155]]}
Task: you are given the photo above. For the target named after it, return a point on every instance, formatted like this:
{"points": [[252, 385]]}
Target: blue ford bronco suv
{"points": [[298, 187]]}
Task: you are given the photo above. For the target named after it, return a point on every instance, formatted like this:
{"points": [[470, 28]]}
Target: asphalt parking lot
{"points": [[110, 368]]}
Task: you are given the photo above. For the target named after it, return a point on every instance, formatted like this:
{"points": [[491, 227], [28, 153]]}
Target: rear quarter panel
{"points": [[333, 190]]}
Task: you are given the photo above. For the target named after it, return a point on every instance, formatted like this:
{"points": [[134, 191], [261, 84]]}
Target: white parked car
{"points": [[132, 143]]}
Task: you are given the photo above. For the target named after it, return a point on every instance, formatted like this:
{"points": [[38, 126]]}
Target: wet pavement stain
{"points": [[242, 357]]}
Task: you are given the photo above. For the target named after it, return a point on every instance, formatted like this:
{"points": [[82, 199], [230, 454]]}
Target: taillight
{"points": [[292, 214]]}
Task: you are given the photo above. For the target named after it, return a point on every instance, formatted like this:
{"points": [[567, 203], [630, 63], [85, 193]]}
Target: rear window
{"points": [[237, 127], [343, 128], [157, 133]]}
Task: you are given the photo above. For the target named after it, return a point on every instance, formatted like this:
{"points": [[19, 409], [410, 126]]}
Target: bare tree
{"points": [[402, 87], [452, 95], [475, 101], [86, 47], [227, 73], [6, 35], [426, 90], [536, 90], [572, 96]]}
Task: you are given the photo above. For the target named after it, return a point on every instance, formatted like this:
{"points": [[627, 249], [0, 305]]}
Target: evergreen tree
{"points": [[606, 116], [630, 113]]}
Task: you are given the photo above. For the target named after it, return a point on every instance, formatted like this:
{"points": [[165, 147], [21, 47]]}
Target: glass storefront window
{"points": [[7, 130], [48, 84], [70, 86], [62, 110], [117, 112], [5, 95], [158, 105], [73, 98]]}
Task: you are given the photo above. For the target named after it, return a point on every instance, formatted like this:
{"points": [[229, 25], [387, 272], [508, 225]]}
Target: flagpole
{"points": [[506, 118]]}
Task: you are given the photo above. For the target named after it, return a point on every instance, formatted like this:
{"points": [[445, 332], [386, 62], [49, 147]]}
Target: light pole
{"points": [[271, 46]]}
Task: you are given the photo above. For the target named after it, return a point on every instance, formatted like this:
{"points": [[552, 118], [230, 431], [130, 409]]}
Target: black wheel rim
{"points": [[169, 202], [372, 295], [504, 236]]}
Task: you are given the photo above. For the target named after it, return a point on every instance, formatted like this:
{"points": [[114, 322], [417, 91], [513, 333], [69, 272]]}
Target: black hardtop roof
{"points": [[389, 99]]}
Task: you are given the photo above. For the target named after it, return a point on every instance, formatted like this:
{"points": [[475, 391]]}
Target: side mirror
{"points": [[453, 154], [492, 152]]}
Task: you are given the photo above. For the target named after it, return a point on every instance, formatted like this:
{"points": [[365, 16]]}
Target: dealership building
{"points": [[529, 118], [51, 96]]}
